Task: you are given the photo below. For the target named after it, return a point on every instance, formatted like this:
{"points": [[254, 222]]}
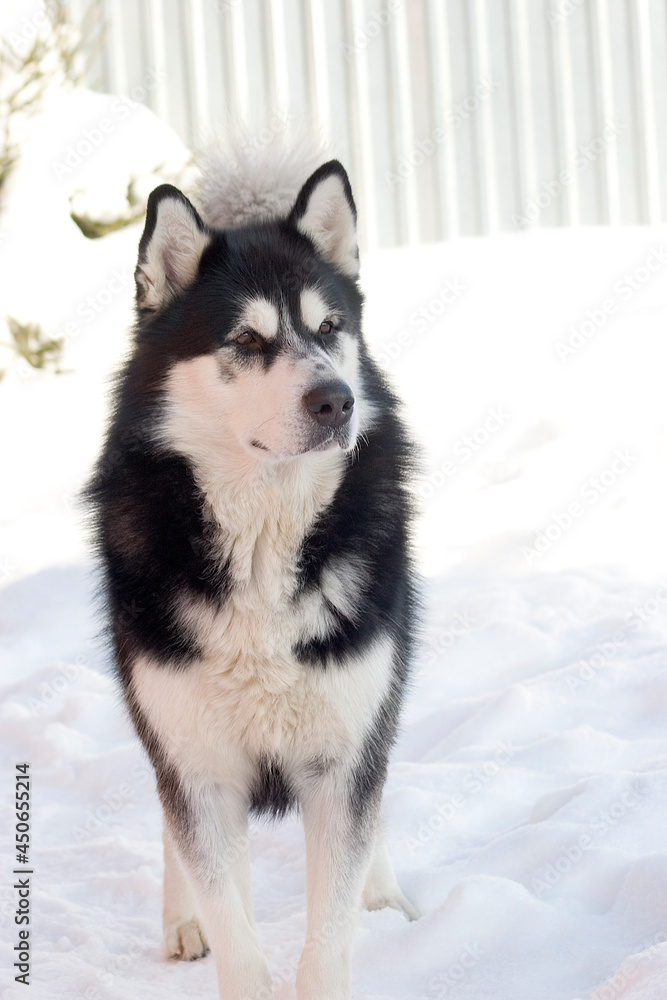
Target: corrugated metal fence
{"points": [[454, 117]]}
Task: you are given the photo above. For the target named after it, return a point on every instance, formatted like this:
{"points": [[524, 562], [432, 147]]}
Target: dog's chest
{"points": [[260, 531], [249, 693], [250, 696]]}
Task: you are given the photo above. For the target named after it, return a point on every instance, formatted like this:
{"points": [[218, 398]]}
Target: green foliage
{"points": [[30, 343], [94, 228]]}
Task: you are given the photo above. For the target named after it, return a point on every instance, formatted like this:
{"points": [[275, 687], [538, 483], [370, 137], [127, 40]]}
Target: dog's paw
{"points": [[186, 941], [408, 909], [396, 900]]}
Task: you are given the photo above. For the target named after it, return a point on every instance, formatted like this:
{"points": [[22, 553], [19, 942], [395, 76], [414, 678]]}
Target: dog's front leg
{"points": [[182, 923], [209, 830], [339, 834]]}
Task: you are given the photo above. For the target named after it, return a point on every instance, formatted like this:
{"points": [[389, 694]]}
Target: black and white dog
{"points": [[253, 514]]}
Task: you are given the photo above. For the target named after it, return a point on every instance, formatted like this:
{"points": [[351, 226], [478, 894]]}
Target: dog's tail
{"points": [[247, 176]]}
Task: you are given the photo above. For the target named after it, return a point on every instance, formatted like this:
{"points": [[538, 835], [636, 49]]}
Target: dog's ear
{"points": [[325, 212], [170, 249]]}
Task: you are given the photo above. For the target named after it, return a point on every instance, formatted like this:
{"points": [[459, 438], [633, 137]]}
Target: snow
{"points": [[526, 805]]}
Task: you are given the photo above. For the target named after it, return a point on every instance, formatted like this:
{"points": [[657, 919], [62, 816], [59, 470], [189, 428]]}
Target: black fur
{"points": [[370, 518], [153, 526], [271, 792]]}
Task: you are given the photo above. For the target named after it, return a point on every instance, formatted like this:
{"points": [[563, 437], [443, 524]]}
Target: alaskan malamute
{"points": [[253, 515]]}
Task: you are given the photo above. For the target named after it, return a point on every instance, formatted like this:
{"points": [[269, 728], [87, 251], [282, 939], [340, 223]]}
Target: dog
{"points": [[252, 510]]}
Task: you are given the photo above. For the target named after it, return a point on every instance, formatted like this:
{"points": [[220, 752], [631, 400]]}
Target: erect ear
{"points": [[324, 212], [170, 249]]}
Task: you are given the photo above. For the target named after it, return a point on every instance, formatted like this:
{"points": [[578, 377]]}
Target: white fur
{"points": [[251, 687], [184, 935], [213, 721], [261, 316], [249, 176], [328, 221], [348, 369], [251, 697], [381, 888], [172, 255], [252, 446], [219, 874], [215, 422], [248, 697], [342, 581], [314, 309]]}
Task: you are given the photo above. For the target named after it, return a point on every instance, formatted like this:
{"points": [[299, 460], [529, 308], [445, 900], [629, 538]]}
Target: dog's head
{"points": [[256, 332]]}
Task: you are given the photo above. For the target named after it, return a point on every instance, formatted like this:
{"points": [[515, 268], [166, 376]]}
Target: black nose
{"points": [[331, 403]]}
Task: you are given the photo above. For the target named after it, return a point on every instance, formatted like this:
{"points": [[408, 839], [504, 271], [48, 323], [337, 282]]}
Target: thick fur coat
{"points": [[252, 512]]}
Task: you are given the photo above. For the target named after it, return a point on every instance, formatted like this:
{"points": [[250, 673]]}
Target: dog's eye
{"points": [[245, 338], [326, 327]]}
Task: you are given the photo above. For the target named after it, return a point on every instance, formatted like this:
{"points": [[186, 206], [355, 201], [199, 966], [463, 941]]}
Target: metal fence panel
{"points": [[454, 117]]}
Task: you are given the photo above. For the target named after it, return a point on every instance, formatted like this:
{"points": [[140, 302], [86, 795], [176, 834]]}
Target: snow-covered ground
{"points": [[526, 805]]}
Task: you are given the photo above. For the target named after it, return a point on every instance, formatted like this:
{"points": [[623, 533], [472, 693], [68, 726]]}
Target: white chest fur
{"points": [[215, 721], [248, 695]]}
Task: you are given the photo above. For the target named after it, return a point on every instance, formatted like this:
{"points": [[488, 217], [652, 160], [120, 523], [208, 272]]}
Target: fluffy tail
{"points": [[247, 176]]}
